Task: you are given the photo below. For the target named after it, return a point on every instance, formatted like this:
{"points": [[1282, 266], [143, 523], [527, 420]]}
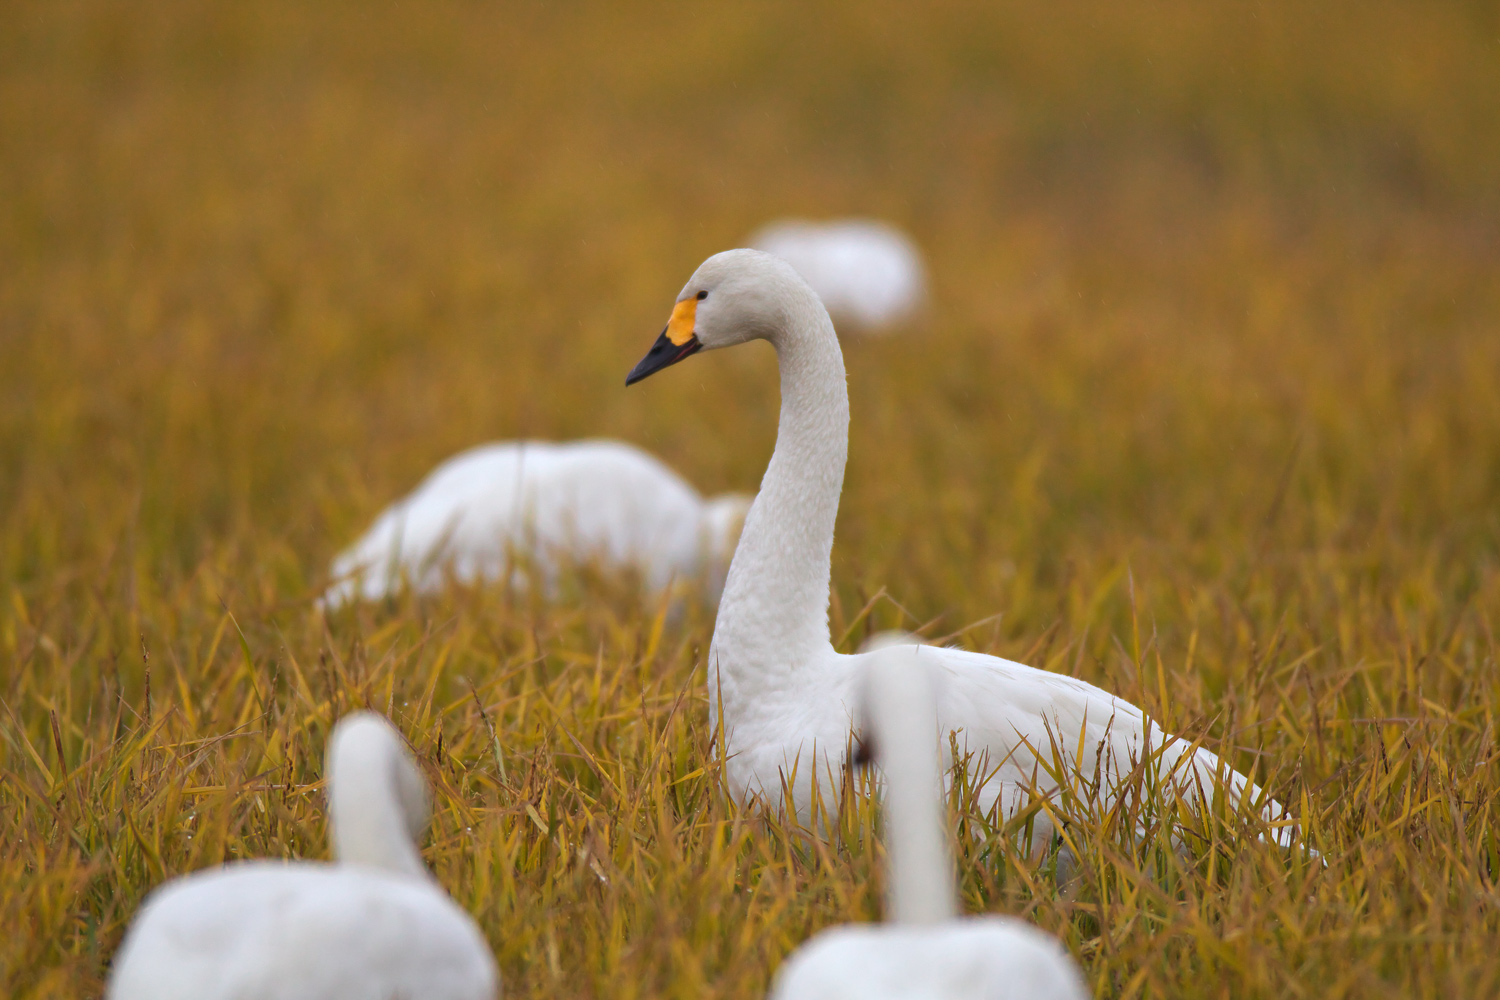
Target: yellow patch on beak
{"points": [[680, 326]]}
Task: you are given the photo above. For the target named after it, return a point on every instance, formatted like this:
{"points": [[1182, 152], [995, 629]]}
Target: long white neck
{"points": [[773, 617], [372, 825], [900, 718]]}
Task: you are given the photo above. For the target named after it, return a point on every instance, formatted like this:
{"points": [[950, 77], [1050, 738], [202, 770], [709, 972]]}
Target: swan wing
{"points": [[1016, 716]]}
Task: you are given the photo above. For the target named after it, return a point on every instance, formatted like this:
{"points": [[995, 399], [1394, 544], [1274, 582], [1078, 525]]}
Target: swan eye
{"points": [[702, 296]]}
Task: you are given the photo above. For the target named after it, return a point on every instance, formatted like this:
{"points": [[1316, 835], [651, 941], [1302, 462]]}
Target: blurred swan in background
{"points": [[784, 695], [925, 950], [547, 505], [889, 637], [373, 925], [868, 274]]}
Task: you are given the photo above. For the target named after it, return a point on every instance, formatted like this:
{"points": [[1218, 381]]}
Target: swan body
{"points": [[552, 504], [926, 951], [372, 926], [868, 274], [784, 695]]}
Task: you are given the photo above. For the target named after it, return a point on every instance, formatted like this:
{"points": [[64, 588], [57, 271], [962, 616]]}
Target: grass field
{"points": [[1206, 411]]}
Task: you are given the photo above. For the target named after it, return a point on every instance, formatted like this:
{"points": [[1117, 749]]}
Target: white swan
{"points": [[552, 504], [926, 951], [371, 927], [783, 693], [868, 274], [886, 638]]}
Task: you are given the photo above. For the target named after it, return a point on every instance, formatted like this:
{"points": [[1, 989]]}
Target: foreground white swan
{"points": [[372, 927], [551, 504], [926, 951], [868, 274], [783, 693]]}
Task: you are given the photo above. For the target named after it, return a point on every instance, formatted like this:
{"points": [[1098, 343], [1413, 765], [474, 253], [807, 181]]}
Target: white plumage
{"points": [[373, 926], [925, 951], [983, 958], [887, 638], [486, 511], [868, 274], [784, 694]]}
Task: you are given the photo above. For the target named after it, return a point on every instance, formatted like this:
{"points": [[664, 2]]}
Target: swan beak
{"points": [[676, 342]]}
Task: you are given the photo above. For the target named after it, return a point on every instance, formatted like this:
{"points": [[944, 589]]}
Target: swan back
{"points": [[271, 930], [377, 799], [985, 958], [897, 715], [551, 504]]}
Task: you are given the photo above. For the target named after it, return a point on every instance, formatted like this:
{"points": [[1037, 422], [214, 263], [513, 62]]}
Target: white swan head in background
{"points": [[546, 506], [868, 273], [374, 924], [925, 950], [784, 695]]}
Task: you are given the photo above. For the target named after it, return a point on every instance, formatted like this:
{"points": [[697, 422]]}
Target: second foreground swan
{"points": [[372, 927], [926, 951], [784, 694]]}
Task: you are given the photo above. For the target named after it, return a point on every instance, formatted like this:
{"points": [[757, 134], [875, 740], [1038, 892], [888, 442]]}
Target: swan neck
{"points": [[901, 719], [369, 824], [773, 616]]}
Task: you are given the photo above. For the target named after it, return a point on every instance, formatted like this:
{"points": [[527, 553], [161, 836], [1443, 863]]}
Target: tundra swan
{"points": [[925, 950], [783, 693], [868, 274], [554, 503], [372, 926]]}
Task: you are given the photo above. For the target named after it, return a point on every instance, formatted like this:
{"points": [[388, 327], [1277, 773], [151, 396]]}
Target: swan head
{"points": [[734, 296], [377, 799]]}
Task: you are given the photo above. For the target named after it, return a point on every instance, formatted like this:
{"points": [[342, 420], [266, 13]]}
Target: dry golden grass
{"points": [[1207, 412]]}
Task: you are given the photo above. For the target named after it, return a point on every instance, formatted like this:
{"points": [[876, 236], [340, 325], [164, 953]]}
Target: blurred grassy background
{"points": [[1207, 410]]}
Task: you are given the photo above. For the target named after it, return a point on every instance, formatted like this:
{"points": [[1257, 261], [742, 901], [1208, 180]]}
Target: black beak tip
{"points": [[663, 354]]}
